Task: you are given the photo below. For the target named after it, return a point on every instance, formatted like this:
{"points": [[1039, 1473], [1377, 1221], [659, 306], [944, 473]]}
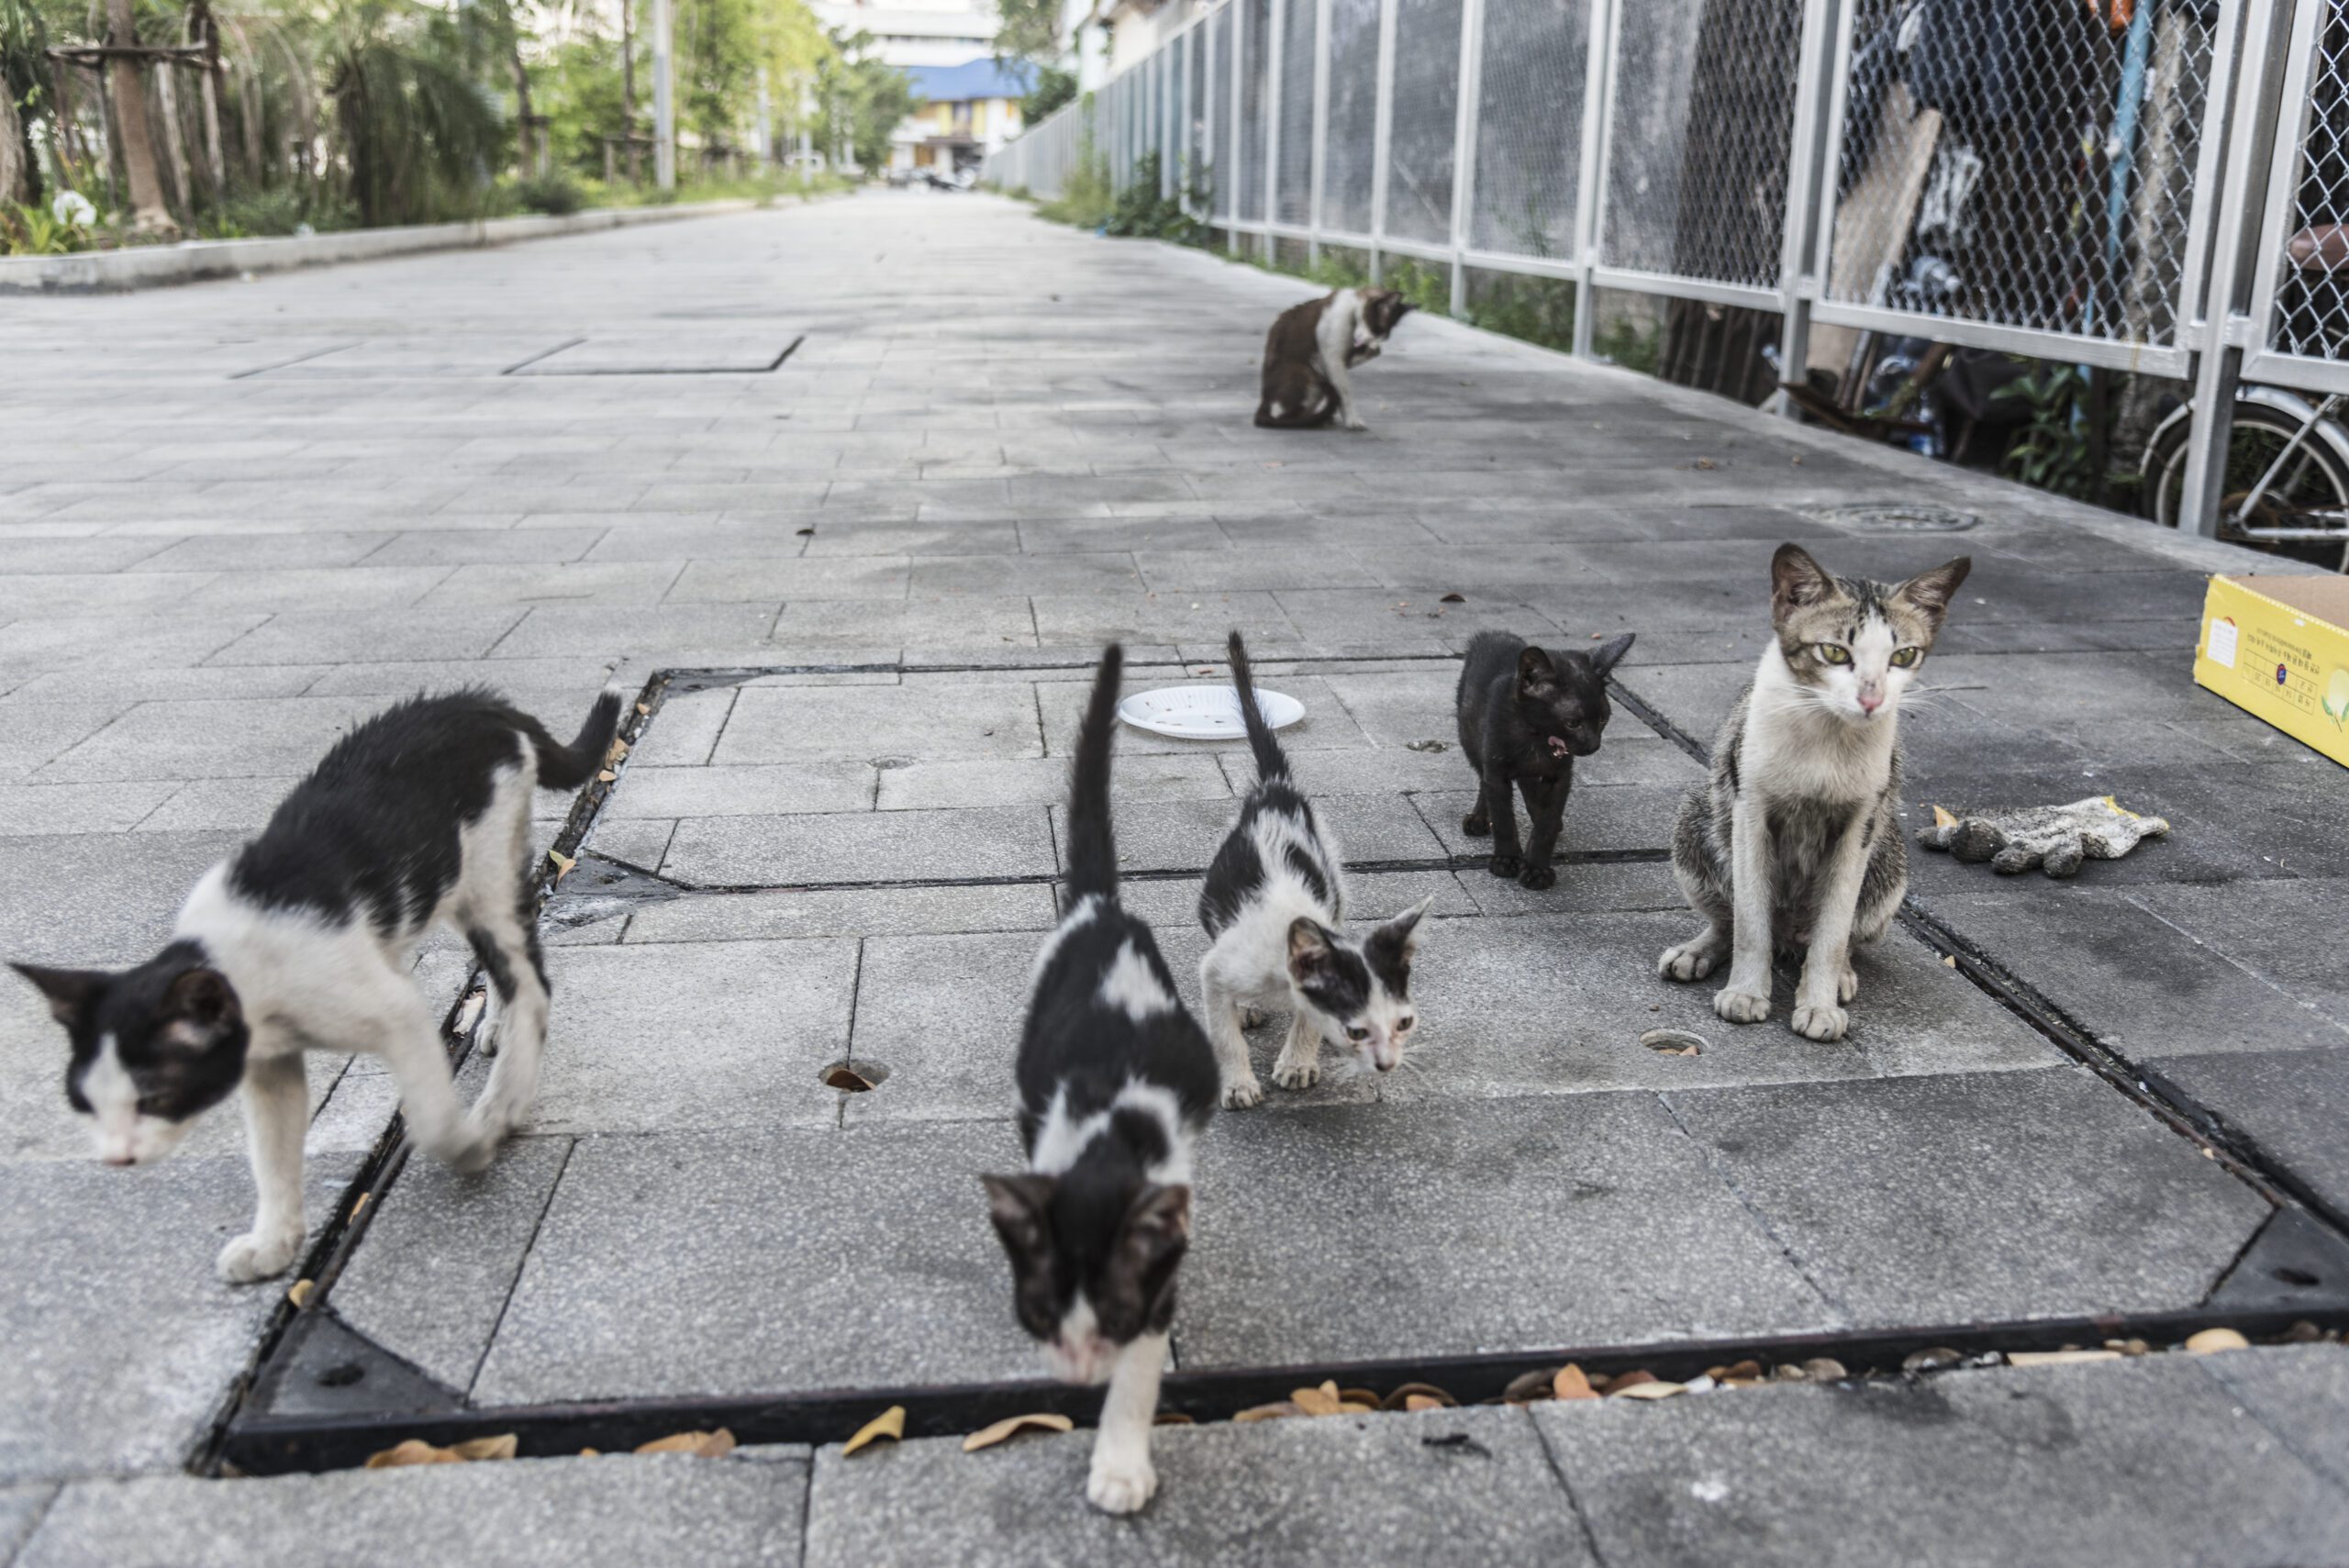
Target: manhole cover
{"points": [[1888, 519]]}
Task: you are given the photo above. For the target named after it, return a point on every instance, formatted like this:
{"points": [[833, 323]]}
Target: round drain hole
{"points": [[1893, 519], [1674, 1042], [342, 1375], [2292, 1275], [853, 1077]]}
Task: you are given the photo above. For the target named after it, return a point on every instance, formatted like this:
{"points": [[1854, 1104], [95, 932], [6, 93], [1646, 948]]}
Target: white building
{"points": [[1105, 36], [915, 32]]}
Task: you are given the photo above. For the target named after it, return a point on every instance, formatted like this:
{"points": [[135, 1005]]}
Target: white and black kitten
{"points": [[1116, 1081], [1525, 715], [1274, 905], [303, 938]]}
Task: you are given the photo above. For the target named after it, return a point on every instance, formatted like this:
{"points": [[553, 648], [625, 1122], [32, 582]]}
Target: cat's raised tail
{"points": [[568, 767], [1271, 763], [1092, 849]]}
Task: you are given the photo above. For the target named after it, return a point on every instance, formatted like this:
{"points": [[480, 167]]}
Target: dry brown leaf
{"points": [[606, 776], [415, 1451], [644, 709], [1172, 1419], [591, 1454], [1653, 1389], [848, 1079], [1402, 1397], [1949, 960], [2059, 1358], [1453, 599], [889, 1423], [360, 1205], [1040, 1421], [1570, 1384], [1623, 1380], [1943, 818], [618, 749], [1422, 1402], [2210, 1339], [1268, 1412], [1322, 1401], [563, 864], [1525, 1386], [300, 1293], [701, 1445], [1359, 1396]]}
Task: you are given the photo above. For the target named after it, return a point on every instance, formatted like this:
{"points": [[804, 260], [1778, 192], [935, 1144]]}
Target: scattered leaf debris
{"points": [[1273, 1412], [848, 1079], [1653, 1389], [1674, 1042], [889, 1423], [1453, 599], [607, 776], [1040, 1420], [701, 1445], [415, 1451], [1401, 1399], [563, 864], [1429, 746], [2059, 1358], [2214, 1340], [803, 533], [1568, 1383], [300, 1295]]}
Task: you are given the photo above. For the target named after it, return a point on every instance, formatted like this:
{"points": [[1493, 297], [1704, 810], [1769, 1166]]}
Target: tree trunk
{"points": [[13, 187], [178, 187], [525, 133], [216, 167], [149, 216]]}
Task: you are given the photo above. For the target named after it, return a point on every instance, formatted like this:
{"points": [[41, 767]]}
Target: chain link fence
{"points": [[2138, 186]]}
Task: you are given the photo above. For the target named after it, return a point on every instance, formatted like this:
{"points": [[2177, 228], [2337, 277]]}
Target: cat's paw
{"points": [[1251, 1017], [470, 1149], [1847, 984], [1247, 1092], [1476, 825], [1506, 865], [1354, 425], [1296, 1074], [1817, 1020], [1122, 1484], [1741, 1007], [1690, 961], [258, 1255], [1537, 877]]}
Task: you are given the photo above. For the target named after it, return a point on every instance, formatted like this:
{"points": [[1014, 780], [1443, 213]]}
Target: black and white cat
{"points": [[302, 941], [1115, 1083], [1311, 347], [1274, 905]]}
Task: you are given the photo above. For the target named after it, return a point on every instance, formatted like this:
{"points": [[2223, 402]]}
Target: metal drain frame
{"points": [[295, 1410]]}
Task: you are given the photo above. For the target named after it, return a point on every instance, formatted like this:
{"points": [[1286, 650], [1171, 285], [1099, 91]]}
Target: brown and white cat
{"points": [[1309, 350], [1793, 845]]}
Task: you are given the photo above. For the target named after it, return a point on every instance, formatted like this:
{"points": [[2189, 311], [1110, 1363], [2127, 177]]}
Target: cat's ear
{"points": [[1533, 667], [1400, 936], [1021, 1209], [70, 991], [1309, 947], [1609, 654], [1796, 580], [1930, 592], [200, 1007]]}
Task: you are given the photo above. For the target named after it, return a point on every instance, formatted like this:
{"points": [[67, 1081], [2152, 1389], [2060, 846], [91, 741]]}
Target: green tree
{"points": [[861, 102]]}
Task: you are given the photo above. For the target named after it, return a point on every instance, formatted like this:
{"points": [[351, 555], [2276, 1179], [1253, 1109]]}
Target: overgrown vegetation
{"points": [[2051, 450], [261, 117]]}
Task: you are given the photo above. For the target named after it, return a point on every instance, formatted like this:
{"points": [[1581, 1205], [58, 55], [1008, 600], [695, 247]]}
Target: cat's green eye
{"points": [[1903, 658], [1834, 653]]}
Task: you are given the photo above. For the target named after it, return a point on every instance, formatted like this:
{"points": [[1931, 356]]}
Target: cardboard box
{"points": [[2279, 648]]}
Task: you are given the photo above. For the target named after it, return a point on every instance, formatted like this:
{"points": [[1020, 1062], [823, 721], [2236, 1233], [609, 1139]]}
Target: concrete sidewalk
{"points": [[853, 495]]}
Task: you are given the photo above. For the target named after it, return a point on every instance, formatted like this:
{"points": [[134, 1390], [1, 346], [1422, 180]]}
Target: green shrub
{"points": [[555, 194]]}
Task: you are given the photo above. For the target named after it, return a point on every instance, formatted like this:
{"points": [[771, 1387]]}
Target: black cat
{"points": [[1116, 1081], [1526, 713]]}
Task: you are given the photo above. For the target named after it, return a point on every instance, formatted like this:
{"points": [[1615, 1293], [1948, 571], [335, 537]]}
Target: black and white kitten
{"points": [[1311, 348], [1274, 905], [1525, 715], [1116, 1081], [302, 940]]}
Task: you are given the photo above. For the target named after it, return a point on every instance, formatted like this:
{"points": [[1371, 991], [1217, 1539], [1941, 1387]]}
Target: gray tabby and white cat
{"points": [[1793, 845]]}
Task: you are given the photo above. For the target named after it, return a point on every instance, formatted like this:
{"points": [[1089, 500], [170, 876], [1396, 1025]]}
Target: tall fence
{"points": [[2148, 185]]}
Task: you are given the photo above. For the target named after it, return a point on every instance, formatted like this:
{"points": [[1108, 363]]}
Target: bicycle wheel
{"points": [[2313, 485]]}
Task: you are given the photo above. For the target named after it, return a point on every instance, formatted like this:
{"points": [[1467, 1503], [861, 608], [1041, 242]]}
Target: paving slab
{"points": [[441, 1255], [1977, 1196], [1466, 1487], [532, 1513], [862, 847], [99, 898], [755, 790], [2145, 1461], [2290, 1104], [852, 912], [121, 1343], [772, 724], [707, 1263], [690, 1034], [2301, 1392], [1184, 835], [1511, 1225]]}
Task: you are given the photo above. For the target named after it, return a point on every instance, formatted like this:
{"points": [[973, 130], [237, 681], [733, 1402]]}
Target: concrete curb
{"points": [[109, 271]]}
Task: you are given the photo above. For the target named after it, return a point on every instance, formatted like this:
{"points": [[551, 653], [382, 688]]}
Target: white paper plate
{"points": [[1205, 713]]}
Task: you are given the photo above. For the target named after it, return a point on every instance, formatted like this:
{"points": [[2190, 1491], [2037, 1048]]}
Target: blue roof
{"points": [[972, 79]]}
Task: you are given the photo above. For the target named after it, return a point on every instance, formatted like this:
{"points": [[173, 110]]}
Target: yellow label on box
{"points": [[2279, 648]]}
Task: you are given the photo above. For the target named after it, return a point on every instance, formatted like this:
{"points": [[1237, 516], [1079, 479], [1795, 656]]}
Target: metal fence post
{"points": [[1598, 91], [1463, 146], [2259, 68], [1273, 61], [1382, 132], [1320, 132], [1809, 198], [1233, 8]]}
